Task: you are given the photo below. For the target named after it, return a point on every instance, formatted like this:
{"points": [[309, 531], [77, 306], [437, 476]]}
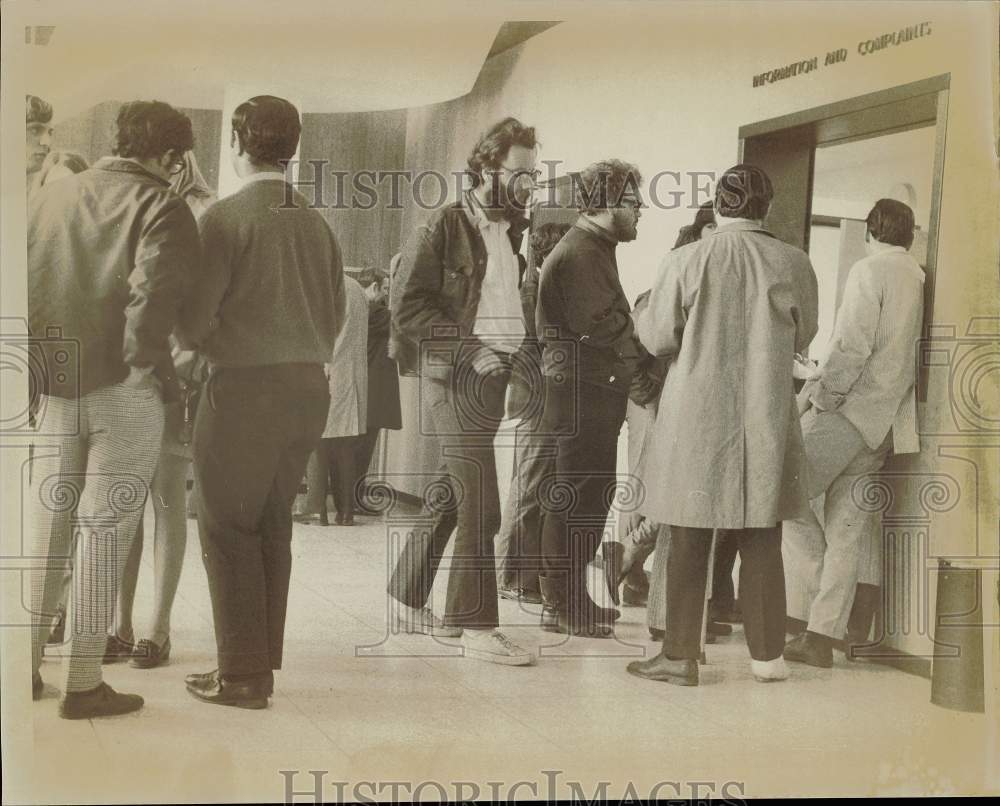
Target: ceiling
{"points": [[323, 56]]}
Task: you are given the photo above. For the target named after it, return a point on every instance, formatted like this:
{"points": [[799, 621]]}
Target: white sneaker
{"points": [[769, 671], [493, 646], [423, 621]]}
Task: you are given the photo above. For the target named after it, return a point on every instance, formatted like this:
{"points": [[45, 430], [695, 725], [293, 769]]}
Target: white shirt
{"points": [[499, 316], [262, 175]]}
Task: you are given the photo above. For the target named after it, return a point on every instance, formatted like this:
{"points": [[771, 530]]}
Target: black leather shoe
{"points": [[37, 686], [633, 596], [655, 634], [243, 694], [665, 670], [148, 654], [719, 628], [208, 680], [810, 648], [97, 702], [116, 650]]}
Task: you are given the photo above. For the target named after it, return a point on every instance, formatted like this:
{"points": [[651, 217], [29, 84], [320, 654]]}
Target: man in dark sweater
{"points": [[267, 308], [592, 362]]}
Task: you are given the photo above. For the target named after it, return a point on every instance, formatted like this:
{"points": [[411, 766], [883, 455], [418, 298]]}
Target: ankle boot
{"points": [[867, 599], [553, 591]]}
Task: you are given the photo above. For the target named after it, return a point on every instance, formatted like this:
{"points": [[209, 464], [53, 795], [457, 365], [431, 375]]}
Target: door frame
{"points": [[887, 111]]}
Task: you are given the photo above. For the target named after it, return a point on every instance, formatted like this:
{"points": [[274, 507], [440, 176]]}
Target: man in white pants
{"points": [[109, 255], [859, 408]]}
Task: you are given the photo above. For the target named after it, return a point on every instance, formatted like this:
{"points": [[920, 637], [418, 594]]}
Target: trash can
{"points": [[957, 671]]}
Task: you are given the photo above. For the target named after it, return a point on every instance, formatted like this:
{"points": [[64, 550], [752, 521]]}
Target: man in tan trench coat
{"points": [[726, 449]]}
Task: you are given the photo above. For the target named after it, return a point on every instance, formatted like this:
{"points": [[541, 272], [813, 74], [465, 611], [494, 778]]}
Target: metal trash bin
{"points": [[957, 677]]}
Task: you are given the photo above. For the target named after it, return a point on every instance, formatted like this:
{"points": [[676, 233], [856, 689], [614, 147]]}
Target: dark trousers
{"points": [[578, 498], [364, 451], [465, 421], [723, 592], [255, 429], [341, 457], [762, 590], [520, 540]]}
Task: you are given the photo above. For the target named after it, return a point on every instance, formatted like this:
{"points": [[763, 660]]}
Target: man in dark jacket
{"points": [[110, 251], [592, 363], [455, 297]]}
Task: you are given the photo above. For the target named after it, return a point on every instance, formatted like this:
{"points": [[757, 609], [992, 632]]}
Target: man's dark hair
{"points": [[604, 184], [36, 110], [544, 240], [268, 129], [891, 222], [149, 129], [494, 145], [690, 233], [744, 191]]}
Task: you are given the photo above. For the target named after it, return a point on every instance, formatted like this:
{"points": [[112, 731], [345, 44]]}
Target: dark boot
{"points": [[867, 600], [561, 615], [810, 648]]}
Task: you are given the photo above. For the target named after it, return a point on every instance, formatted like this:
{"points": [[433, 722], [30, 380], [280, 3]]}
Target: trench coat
{"points": [[730, 311], [348, 368]]}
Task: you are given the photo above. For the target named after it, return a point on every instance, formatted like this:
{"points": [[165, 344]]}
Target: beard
{"points": [[503, 200], [625, 225]]}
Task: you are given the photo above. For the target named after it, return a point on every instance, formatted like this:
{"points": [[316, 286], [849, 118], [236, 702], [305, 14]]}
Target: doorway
{"points": [[830, 164]]}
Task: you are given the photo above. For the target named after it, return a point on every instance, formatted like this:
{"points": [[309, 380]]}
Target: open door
{"points": [[787, 157]]}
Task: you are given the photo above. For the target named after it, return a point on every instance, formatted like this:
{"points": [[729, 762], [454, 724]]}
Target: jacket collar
{"points": [[468, 205], [124, 165], [596, 230], [742, 225]]}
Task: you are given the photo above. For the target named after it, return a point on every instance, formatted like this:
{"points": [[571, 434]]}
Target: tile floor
{"points": [[369, 708]]}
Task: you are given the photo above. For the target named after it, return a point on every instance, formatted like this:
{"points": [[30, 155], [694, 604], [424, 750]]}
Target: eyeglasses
{"points": [[534, 175]]}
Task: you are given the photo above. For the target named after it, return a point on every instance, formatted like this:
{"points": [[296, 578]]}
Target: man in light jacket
{"points": [[859, 408], [726, 452]]}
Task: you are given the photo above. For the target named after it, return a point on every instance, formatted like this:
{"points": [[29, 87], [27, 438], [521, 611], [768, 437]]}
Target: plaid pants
{"points": [[92, 465]]}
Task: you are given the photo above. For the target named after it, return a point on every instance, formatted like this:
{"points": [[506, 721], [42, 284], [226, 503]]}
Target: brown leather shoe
{"points": [[666, 670], [116, 650], [98, 702], [251, 693]]}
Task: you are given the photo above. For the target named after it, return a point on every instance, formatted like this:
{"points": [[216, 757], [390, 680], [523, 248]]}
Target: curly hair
{"points": [[36, 110], [149, 129], [544, 240], [744, 191], [602, 185], [890, 221], [494, 145], [268, 129]]}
